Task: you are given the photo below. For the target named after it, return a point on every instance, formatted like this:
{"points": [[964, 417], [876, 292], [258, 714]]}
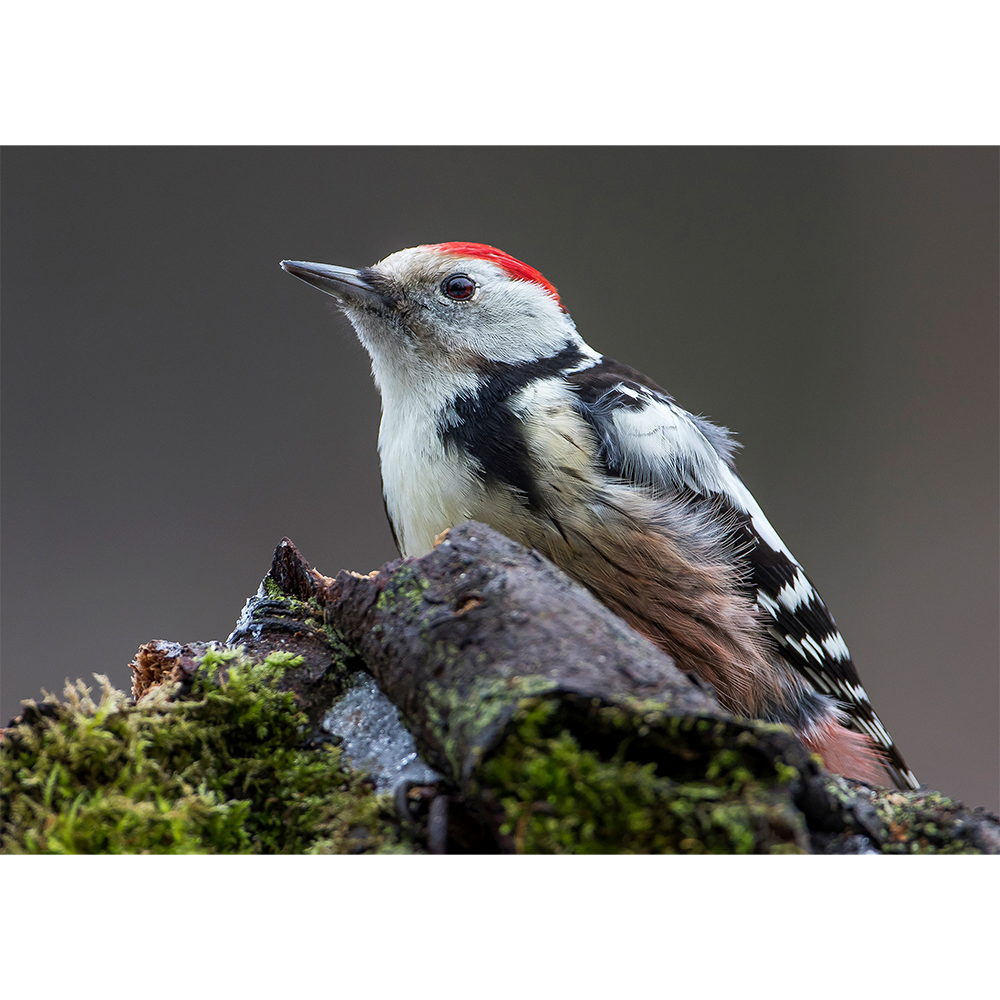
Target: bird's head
{"points": [[446, 309]]}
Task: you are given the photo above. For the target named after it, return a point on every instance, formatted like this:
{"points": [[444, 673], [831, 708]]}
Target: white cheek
{"points": [[519, 323]]}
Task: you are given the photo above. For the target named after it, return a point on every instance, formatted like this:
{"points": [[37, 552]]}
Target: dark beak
{"points": [[345, 285]]}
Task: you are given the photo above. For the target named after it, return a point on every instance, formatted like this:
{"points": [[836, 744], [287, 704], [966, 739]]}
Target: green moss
{"points": [[609, 779], [913, 824], [406, 595], [272, 605], [462, 722], [272, 589], [221, 771]]}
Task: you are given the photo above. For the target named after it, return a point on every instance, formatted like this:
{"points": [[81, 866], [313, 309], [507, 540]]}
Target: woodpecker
{"points": [[495, 409]]}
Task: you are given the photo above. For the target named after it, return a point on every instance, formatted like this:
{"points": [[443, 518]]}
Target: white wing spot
{"points": [[836, 648], [875, 729], [795, 645], [809, 644], [857, 692], [796, 592], [819, 681]]}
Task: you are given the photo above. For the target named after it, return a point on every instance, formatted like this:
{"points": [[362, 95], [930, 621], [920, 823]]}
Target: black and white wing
{"points": [[648, 440]]}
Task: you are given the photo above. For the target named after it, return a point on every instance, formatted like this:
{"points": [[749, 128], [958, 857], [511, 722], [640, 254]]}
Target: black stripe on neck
{"points": [[482, 424]]}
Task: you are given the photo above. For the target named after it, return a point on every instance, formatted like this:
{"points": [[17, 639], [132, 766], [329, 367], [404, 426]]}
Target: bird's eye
{"points": [[458, 286]]}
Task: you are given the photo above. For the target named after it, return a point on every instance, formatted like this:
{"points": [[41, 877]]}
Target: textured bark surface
{"points": [[481, 637]]}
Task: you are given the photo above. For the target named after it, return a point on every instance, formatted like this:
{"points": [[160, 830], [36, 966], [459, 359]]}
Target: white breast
{"points": [[426, 489]]}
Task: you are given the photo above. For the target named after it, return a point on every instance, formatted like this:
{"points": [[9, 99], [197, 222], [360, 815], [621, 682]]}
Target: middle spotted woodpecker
{"points": [[494, 409]]}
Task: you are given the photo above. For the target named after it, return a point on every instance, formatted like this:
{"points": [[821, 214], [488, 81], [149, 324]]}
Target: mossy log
{"points": [[551, 725], [558, 728]]}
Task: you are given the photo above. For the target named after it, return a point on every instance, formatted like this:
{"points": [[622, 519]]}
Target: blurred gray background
{"points": [[173, 404]]}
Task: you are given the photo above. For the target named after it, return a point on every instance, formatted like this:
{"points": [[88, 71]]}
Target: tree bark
{"points": [[557, 727]]}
